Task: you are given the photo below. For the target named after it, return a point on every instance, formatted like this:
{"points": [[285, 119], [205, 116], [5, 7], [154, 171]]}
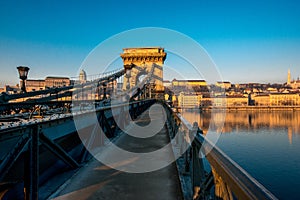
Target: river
{"points": [[266, 144]]}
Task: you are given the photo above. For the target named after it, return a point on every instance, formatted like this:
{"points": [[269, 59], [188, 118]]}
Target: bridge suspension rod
{"points": [[5, 97]]}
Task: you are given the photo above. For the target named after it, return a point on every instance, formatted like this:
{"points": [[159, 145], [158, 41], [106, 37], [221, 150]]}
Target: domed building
{"points": [[82, 76]]}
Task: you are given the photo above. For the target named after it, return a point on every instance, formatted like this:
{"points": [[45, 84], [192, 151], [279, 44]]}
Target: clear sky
{"points": [[249, 41]]}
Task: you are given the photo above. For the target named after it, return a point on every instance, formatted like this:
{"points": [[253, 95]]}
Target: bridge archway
{"points": [[140, 77], [143, 59]]}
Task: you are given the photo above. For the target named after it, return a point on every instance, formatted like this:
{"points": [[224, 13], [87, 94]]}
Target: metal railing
{"points": [[4, 98], [85, 91], [29, 137], [226, 178]]}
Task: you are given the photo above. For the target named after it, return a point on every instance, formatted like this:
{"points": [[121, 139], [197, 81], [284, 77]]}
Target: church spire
{"points": [[289, 78]]}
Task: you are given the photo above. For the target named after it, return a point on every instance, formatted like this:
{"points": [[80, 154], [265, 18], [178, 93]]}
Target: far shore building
{"points": [[48, 82], [193, 86], [261, 100], [223, 84], [10, 89], [167, 83], [294, 84], [283, 99], [237, 100], [52, 81], [34, 85], [188, 83], [82, 77], [234, 100], [189, 100], [277, 99]]}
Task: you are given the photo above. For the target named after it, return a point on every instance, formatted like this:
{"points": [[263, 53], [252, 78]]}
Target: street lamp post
{"points": [[23, 72]]}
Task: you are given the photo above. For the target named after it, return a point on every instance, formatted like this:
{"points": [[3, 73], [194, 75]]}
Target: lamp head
{"points": [[23, 72]]}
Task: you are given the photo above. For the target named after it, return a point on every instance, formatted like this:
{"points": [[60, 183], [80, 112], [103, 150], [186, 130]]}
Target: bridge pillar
{"points": [[143, 59]]}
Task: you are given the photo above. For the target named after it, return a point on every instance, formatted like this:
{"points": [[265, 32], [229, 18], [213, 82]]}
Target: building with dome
{"points": [[82, 77]]}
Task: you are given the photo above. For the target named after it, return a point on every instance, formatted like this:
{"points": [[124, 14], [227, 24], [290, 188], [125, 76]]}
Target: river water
{"points": [[266, 144]]}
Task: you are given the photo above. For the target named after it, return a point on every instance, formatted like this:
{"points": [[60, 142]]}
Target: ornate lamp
{"points": [[23, 72]]}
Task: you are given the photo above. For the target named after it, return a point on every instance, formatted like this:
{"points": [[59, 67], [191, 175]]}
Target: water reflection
{"points": [[265, 144], [252, 121]]}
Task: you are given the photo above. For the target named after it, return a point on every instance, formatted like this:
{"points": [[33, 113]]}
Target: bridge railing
{"points": [[85, 91], [226, 177], [4, 98], [20, 144]]}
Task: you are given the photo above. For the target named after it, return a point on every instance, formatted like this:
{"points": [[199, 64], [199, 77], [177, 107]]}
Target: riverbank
{"points": [[262, 108], [246, 108]]}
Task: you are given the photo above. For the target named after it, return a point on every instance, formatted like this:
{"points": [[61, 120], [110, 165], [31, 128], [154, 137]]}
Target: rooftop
{"points": [[143, 50], [191, 80], [56, 77]]}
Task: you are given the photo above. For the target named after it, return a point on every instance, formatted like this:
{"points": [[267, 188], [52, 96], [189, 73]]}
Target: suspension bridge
{"points": [[49, 140]]}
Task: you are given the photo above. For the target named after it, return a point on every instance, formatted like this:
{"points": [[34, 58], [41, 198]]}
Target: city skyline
{"points": [[249, 41]]}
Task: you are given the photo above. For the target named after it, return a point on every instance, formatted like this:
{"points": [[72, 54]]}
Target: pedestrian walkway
{"points": [[98, 181]]}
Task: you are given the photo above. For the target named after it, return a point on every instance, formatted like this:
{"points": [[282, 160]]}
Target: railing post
{"points": [[196, 176], [31, 171], [222, 190], [198, 173], [171, 121], [185, 150], [182, 141], [104, 90], [121, 119], [100, 137]]}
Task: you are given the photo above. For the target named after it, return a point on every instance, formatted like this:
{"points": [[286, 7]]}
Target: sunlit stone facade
{"points": [[144, 58]]}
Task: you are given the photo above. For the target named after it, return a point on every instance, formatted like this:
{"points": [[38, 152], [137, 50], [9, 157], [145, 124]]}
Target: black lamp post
{"points": [[23, 72]]}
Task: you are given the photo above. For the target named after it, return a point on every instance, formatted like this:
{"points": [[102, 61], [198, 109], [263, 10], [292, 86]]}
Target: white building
{"points": [[188, 100]]}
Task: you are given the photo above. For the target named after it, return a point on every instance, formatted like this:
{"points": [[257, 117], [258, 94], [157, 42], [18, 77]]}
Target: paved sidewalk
{"points": [[98, 181]]}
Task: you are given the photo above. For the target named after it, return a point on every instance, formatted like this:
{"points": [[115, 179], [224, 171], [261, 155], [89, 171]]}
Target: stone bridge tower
{"points": [[143, 59]]}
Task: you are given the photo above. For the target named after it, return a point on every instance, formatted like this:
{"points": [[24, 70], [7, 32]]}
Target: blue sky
{"points": [[249, 41]]}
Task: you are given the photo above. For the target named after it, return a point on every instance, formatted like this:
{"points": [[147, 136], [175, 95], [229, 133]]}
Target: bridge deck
{"points": [[98, 181]]}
